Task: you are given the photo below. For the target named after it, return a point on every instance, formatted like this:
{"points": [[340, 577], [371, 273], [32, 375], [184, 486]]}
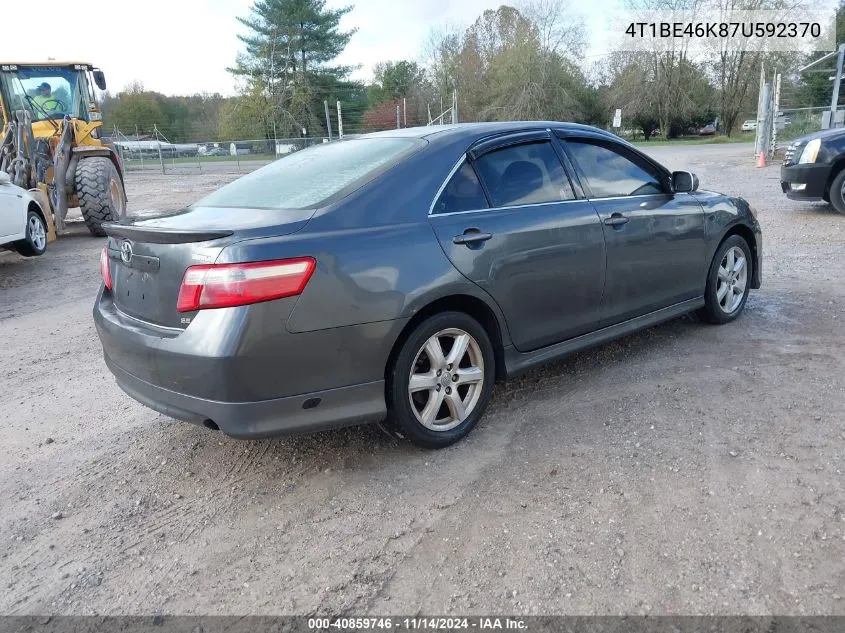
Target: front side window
{"points": [[611, 174], [48, 92], [308, 178], [524, 174], [463, 192]]}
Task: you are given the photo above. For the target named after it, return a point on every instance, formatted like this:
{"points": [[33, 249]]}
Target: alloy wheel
{"points": [[37, 234], [446, 381], [732, 280]]}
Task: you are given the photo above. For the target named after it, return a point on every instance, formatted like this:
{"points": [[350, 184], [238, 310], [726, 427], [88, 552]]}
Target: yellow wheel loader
{"points": [[51, 140]]}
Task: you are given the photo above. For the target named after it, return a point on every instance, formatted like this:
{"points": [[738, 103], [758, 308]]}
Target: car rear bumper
{"points": [[804, 182], [265, 418], [240, 369]]}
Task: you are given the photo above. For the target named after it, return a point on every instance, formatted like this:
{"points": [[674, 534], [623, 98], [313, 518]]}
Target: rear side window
{"points": [[463, 192], [610, 173], [524, 174], [309, 177]]}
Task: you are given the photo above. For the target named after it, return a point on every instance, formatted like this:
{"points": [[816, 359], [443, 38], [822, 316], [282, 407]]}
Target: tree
{"points": [[288, 50], [735, 62], [814, 87], [394, 80], [442, 52], [134, 109], [513, 64], [631, 90]]}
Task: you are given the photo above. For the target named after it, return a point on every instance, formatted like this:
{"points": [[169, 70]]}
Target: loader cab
{"points": [[50, 92]]}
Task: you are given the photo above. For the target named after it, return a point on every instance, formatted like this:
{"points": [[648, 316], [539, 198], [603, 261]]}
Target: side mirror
{"points": [[99, 79], [5, 178], [684, 181]]}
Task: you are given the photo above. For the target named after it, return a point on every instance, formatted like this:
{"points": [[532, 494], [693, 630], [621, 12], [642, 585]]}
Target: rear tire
{"points": [[836, 193], [35, 242], [728, 282], [450, 390], [100, 192]]}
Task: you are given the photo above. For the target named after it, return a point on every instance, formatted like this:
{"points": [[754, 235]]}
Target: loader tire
{"points": [[100, 192]]}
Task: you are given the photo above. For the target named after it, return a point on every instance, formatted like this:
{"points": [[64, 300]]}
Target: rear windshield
{"points": [[309, 177]]}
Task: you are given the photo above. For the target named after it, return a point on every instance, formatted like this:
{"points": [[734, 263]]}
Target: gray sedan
{"points": [[396, 276]]}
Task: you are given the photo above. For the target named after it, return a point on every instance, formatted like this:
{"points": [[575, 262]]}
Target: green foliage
{"points": [[814, 88], [178, 118], [286, 68], [513, 64], [394, 80], [510, 64]]}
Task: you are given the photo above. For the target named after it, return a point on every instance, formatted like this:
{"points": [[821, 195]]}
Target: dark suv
{"points": [[814, 168]]}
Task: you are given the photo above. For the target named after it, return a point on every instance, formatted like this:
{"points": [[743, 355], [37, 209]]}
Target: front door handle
{"points": [[616, 219], [471, 236]]}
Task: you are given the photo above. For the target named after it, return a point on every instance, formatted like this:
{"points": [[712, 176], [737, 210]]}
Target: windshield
{"points": [[48, 92], [309, 177]]}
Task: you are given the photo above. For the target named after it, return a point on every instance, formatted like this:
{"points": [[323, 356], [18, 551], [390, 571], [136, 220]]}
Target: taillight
{"points": [[104, 267], [226, 285]]}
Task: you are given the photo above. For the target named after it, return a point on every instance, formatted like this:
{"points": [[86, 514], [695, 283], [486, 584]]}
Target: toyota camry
{"points": [[395, 277]]}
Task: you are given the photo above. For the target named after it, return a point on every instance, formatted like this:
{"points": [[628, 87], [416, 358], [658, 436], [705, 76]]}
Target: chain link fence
{"points": [[156, 154]]}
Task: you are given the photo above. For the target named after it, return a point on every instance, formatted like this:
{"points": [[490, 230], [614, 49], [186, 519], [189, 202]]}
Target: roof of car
{"points": [[458, 130], [47, 63]]}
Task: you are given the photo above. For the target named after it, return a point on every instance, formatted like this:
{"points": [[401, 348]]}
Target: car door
{"points": [[509, 220], [655, 238], [12, 213]]}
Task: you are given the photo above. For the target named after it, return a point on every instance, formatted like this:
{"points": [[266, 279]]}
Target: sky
{"points": [[184, 46]]}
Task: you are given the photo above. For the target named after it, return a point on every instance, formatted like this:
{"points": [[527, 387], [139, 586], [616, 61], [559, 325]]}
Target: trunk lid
{"points": [[149, 255]]}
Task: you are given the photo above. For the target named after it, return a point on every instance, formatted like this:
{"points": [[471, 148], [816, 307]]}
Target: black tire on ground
{"points": [[403, 408], [714, 311], [836, 194], [100, 191], [35, 242]]}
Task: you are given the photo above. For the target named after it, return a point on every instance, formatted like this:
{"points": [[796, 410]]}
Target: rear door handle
{"points": [[471, 237], [617, 219]]}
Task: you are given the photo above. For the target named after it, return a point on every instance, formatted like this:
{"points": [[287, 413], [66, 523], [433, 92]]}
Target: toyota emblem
{"points": [[126, 251]]}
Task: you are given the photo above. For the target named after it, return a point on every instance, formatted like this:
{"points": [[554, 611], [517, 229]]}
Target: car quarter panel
{"points": [[244, 354], [378, 258], [724, 214]]}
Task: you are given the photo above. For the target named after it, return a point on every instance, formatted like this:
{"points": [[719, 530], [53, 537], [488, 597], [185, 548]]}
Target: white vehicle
{"points": [[749, 126], [22, 225]]}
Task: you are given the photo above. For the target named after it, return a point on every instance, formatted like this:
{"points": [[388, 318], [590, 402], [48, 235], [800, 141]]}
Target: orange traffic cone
{"points": [[761, 159]]}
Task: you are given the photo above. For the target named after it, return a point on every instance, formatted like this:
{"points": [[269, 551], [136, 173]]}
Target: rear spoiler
{"points": [[162, 236]]}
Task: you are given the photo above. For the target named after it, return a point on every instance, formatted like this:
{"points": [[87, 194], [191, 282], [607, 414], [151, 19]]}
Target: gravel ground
{"points": [[688, 469]]}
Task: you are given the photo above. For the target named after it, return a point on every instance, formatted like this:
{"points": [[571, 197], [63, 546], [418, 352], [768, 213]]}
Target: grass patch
{"points": [[740, 137]]}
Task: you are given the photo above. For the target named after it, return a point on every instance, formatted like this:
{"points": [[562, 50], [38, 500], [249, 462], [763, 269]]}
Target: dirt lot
{"points": [[687, 469]]}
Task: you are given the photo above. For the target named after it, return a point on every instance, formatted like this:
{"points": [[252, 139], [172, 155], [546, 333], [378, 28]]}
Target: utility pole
{"points": [[404, 112], [761, 113], [138, 146], [834, 100], [339, 122], [398, 125], [328, 119], [158, 142], [455, 106], [775, 111]]}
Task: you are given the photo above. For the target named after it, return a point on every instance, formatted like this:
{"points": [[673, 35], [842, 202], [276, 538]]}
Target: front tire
{"points": [[441, 380], [35, 242], [100, 192], [728, 282], [837, 192]]}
